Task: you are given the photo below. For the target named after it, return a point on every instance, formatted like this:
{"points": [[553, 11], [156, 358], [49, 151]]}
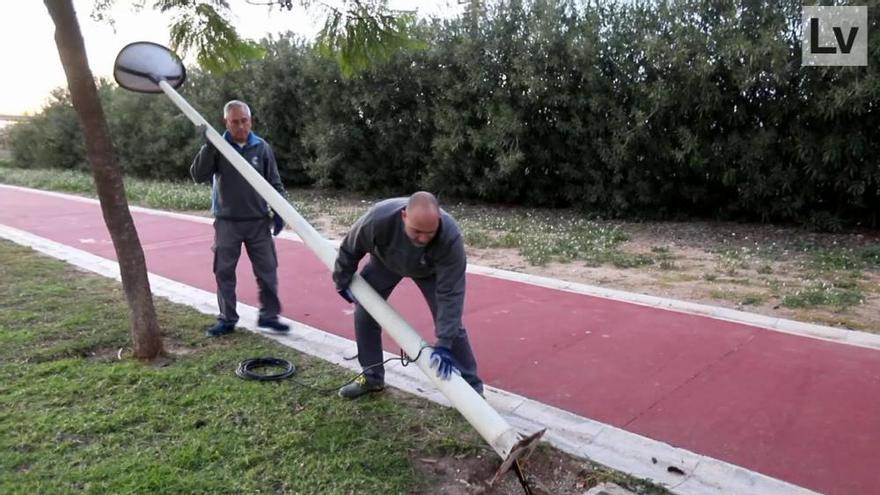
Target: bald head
{"points": [[422, 199], [421, 218]]}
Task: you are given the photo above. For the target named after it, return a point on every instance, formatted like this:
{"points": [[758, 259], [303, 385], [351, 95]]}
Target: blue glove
{"points": [[346, 294], [277, 224], [442, 359]]}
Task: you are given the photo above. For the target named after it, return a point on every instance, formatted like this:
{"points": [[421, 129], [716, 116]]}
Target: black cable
{"points": [[403, 358], [246, 367]]}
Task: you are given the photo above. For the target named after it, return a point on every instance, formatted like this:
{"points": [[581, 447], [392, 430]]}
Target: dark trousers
{"points": [[369, 334], [228, 238]]}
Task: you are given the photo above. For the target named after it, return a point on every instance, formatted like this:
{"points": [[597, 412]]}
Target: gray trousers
{"points": [[228, 238], [369, 335]]}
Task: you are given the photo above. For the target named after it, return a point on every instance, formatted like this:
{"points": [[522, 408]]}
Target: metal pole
{"points": [[506, 442]]}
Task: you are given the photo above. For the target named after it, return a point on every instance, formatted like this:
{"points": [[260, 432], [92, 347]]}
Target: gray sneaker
{"points": [[359, 387]]}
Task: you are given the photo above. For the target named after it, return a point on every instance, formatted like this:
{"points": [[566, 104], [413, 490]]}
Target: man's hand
{"points": [[202, 132], [442, 359], [277, 224], [346, 294]]}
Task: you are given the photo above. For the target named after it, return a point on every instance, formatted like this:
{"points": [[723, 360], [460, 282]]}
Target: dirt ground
{"points": [[547, 471], [721, 265]]}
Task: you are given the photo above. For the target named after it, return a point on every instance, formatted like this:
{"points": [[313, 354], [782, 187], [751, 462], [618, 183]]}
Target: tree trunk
{"points": [[146, 337]]}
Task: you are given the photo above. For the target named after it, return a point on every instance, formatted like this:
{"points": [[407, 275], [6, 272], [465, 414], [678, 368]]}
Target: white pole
{"points": [[490, 425]]}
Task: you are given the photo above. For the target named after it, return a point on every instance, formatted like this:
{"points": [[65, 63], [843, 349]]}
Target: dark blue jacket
{"points": [[232, 198]]}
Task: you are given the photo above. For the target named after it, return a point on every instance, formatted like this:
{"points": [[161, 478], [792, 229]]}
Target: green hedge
{"points": [[638, 109]]}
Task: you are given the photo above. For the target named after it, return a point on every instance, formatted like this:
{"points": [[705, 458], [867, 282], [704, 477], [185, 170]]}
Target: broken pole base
{"points": [[520, 450]]}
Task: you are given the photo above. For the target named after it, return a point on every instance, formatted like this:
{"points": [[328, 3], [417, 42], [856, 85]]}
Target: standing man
{"points": [[242, 216], [408, 237]]}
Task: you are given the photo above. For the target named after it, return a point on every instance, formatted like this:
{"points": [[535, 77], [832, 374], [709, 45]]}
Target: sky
{"points": [[32, 68]]}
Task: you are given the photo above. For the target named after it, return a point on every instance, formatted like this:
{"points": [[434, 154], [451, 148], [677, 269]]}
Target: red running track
{"points": [[799, 409]]}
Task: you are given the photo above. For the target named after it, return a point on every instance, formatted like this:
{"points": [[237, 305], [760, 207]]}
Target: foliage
{"points": [[204, 28], [159, 143], [365, 35], [52, 139], [357, 34]]}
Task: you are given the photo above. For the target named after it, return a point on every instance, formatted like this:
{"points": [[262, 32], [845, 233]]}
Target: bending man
{"points": [[408, 237]]}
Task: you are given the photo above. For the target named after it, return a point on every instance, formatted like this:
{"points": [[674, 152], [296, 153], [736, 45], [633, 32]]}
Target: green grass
{"points": [[75, 418], [839, 295], [314, 203], [72, 181], [829, 277], [732, 259], [839, 259], [835, 260], [543, 236], [870, 256], [739, 297], [626, 260], [832, 277], [169, 195], [153, 194]]}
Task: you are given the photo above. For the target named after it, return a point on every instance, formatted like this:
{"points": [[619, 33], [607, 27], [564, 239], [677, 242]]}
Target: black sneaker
{"points": [[359, 387], [274, 324], [222, 327]]}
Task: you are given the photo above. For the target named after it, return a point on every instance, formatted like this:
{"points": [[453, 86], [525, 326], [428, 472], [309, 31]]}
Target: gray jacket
{"points": [[232, 197], [380, 233]]}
